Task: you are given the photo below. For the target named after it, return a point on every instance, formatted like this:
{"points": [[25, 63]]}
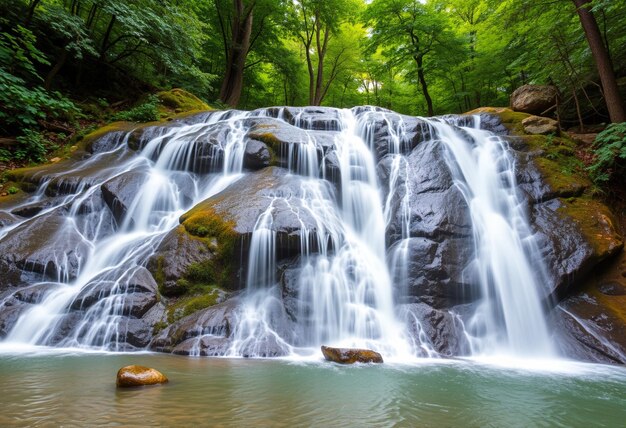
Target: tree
{"points": [[237, 48], [315, 23], [612, 97], [410, 29]]}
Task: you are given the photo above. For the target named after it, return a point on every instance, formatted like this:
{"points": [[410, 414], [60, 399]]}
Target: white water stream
{"points": [[346, 291]]}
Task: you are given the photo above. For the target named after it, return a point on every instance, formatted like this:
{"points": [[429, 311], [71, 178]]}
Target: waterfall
{"points": [[351, 278], [508, 264]]}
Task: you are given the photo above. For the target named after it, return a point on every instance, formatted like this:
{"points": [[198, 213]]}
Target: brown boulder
{"points": [[138, 376], [537, 125], [534, 99], [351, 355]]}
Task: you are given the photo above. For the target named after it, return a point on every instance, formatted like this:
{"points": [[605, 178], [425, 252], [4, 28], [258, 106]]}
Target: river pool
{"points": [[54, 388]]}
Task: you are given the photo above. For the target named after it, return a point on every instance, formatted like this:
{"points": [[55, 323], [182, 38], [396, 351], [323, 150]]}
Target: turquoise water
{"points": [[70, 389]]}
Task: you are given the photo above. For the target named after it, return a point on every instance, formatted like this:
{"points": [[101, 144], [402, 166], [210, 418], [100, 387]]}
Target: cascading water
{"points": [[508, 264], [348, 282], [113, 260]]}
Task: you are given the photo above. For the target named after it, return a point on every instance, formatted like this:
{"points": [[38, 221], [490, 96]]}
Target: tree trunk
{"points": [[105, 40], [422, 80], [31, 12], [614, 103], [57, 67], [321, 54], [230, 92]]}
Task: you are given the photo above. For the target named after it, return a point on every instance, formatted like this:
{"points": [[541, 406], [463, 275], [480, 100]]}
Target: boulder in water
{"points": [[351, 355], [138, 376]]}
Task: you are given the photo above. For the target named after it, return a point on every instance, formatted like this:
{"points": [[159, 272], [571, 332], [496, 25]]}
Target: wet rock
{"points": [[586, 331], [239, 206], [34, 294], [290, 271], [13, 276], [573, 236], [34, 208], [49, 245], [439, 272], [256, 155], [613, 289], [540, 125], [206, 346], [436, 205], [534, 99], [136, 333], [11, 310], [7, 219], [72, 179], [443, 329], [310, 118], [290, 143], [135, 282], [389, 132], [218, 321], [351, 356], [120, 192], [138, 376], [109, 140], [171, 262], [492, 123]]}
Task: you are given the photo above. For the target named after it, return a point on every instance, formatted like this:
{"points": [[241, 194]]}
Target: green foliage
{"points": [[464, 53], [22, 103], [610, 153], [23, 106], [145, 112], [31, 147]]}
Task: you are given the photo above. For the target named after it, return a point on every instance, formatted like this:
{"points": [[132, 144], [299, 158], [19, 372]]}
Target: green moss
{"points": [[158, 327], [187, 305], [159, 275], [561, 174], [273, 143], [595, 222], [220, 237], [512, 120], [201, 272], [180, 101], [91, 137]]}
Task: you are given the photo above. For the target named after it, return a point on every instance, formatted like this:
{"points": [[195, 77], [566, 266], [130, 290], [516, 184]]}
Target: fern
{"points": [[610, 153]]}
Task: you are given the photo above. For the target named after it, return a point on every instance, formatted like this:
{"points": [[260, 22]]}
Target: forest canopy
{"points": [[64, 58]]}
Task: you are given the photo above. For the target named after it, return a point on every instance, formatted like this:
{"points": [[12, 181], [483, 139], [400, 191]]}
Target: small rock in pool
{"points": [[351, 356], [139, 375]]}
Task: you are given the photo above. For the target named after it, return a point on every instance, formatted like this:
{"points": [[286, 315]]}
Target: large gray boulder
{"points": [[48, 245], [534, 99]]}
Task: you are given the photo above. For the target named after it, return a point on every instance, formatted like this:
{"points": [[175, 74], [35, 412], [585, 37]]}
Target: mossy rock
{"points": [[563, 181], [596, 223], [86, 142], [554, 157], [187, 305], [12, 193], [202, 221], [180, 101], [512, 120]]}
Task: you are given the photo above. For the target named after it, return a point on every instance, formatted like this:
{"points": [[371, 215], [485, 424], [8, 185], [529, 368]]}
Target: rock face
{"points": [[351, 356], [534, 99], [237, 210], [440, 242], [183, 293], [130, 376]]}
